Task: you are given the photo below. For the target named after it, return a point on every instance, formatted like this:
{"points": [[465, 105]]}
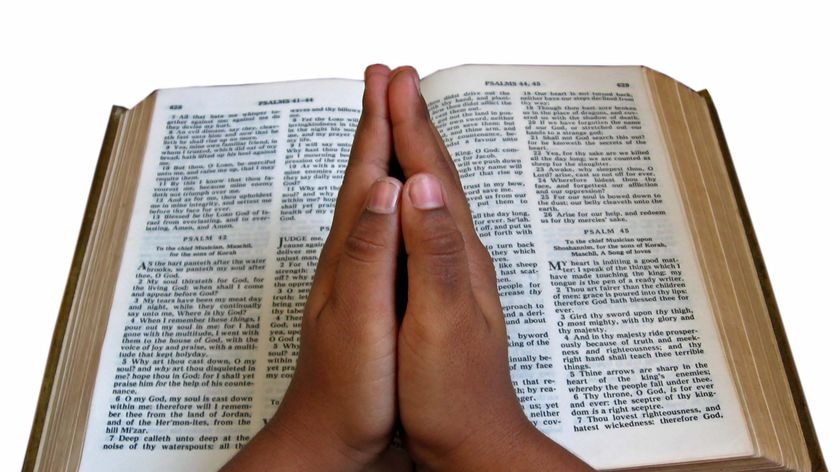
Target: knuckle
{"points": [[364, 246], [444, 243], [444, 254]]}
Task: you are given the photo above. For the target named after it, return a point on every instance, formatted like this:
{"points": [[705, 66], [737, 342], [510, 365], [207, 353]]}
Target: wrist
{"points": [[285, 444], [313, 437], [485, 447], [517, 446]]}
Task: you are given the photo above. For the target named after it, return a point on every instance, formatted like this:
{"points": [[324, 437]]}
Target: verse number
{"points": [[622, 85]]}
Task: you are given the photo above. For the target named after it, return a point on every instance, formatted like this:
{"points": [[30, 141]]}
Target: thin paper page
{"points": [[235, 199], [613, 349]]}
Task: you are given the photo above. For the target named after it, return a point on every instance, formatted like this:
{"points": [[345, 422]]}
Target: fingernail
{"points": [[383, 196], [425, 193]]}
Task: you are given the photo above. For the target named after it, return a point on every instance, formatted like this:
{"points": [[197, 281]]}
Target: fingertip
{"points": [[425, 192], [383, 195], [404, 69], [373, 139], [377, 77], [406, 80], [377, 69]]}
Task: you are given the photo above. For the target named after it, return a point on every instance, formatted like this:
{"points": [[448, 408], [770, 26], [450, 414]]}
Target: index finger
{"points": [[419, 150], [417, 144], [368, 161]]}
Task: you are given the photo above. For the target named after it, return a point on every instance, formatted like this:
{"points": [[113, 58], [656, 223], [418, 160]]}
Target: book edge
{"points": [[814, 450], [59, 331]]}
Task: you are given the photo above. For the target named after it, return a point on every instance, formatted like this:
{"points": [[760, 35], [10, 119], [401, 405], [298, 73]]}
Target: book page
{"points": [[610, 334], [613, 349], [235, 199]]}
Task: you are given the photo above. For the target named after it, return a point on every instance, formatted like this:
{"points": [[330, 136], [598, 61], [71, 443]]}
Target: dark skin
{"points": [[443, 370]]}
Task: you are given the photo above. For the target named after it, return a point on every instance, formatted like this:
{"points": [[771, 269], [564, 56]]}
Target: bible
{"points": [[642, 329]]}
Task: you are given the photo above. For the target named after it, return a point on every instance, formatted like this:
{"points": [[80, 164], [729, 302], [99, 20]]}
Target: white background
{"points": [[770, 67]]}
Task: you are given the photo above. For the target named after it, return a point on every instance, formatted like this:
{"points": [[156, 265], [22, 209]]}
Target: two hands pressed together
{"points": [[443, 369]]}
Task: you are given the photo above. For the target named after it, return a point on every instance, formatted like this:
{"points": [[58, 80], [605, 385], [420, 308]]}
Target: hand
{"points": [[340, 409], [456, 400]]}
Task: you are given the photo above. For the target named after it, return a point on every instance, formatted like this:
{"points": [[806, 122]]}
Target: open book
{"points": [[642, 329]]}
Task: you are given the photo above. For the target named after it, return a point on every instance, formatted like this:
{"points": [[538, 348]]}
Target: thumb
{"points": [[367, 267], [438, 269]]}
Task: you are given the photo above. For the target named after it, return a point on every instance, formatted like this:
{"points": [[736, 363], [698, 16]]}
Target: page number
{"points": [[623, 85]]}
